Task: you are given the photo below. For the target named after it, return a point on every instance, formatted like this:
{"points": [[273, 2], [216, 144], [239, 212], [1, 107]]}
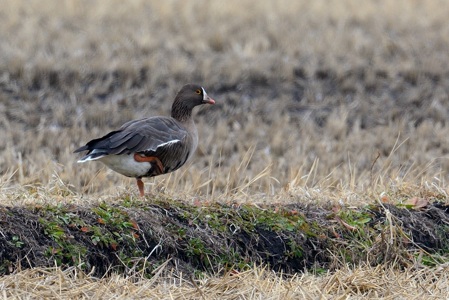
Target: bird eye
{"points": [[198, 91]]}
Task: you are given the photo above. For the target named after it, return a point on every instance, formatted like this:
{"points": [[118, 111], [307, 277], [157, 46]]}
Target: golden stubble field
{"points": [[323, 101]]}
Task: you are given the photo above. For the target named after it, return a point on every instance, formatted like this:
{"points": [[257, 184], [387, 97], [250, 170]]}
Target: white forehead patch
{"points": [[204, 94]]}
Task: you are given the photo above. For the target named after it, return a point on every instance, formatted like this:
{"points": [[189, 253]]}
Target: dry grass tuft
{"points": [[257, 283]]}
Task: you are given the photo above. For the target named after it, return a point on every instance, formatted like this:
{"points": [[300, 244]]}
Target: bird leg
{"points": [[155, 163], [140, 186], [153, 160]]}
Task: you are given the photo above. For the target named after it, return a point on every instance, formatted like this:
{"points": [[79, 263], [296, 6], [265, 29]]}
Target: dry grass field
{"points": [[318, 102]]}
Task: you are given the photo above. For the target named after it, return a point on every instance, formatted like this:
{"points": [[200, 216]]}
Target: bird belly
{"points": [[126, 165]]}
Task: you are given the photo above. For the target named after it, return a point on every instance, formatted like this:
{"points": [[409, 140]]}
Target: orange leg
{"points": [[140, 186], [150, 159]]}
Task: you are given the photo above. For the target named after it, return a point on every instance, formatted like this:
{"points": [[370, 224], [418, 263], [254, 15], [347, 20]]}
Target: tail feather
{"points": [[83, 148], [92, 156]]}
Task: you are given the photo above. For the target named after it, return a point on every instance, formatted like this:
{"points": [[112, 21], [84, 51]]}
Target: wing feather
{"points": [[145, 135]]}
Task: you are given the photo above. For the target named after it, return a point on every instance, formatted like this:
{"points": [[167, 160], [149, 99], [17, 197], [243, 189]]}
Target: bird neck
{"points": [[181, 112]]}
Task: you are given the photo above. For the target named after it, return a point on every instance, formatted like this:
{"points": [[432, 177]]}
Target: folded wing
{"points": [[144, 136]]}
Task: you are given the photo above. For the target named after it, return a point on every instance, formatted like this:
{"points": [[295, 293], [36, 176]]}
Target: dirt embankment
{"points": [[136, 236]]}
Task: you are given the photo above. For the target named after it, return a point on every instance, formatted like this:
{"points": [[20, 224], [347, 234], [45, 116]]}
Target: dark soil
{"points": [[140, 236], [374, 96]]}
